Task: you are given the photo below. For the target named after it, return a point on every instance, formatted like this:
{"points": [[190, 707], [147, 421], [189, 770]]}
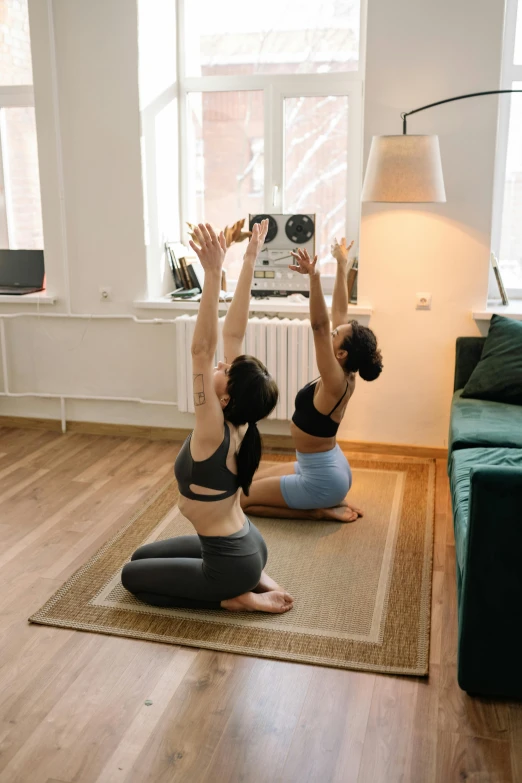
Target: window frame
{"points": [[11, 96], [277, 88], [509, 73]]}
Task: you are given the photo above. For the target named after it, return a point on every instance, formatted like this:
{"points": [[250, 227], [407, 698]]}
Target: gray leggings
{"points": [[196, 572]]}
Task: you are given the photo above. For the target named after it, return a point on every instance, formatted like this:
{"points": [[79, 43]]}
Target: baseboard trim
{"points": [[270, 442], [395, 449], [96, 428], [30, 423]]}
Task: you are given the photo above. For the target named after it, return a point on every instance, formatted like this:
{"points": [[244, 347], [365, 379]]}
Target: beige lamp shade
{"points": [[404, 169]]}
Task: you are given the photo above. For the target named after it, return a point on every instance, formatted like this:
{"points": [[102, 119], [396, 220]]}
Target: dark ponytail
{"points": [[253, 395], [363, 355], [249, 456]]}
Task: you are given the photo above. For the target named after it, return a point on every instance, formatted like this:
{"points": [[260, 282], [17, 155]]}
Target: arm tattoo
{"points": [[199, 390]]}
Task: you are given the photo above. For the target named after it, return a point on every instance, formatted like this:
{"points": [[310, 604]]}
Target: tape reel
{"points": [[272, 226], [299, 229]]}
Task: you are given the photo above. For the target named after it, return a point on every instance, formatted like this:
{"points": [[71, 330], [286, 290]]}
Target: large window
{"points": [[20, 207], [507, 216], [270, 114]]}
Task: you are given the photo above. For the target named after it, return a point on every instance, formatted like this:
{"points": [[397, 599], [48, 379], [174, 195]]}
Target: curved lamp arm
{"points": [[449, 100]]}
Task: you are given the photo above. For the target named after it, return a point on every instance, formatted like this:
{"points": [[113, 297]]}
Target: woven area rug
{"points": [[362, 590]]}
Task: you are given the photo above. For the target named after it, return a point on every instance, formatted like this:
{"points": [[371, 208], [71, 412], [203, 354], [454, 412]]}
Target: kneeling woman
{"points": [[315, 487], [222, 566]]}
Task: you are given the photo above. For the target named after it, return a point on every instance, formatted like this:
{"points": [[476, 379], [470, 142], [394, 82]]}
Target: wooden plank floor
{"points": [[72, 707]]}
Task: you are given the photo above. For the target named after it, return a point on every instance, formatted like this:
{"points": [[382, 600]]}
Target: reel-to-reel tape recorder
{"points": [[272, 277]]}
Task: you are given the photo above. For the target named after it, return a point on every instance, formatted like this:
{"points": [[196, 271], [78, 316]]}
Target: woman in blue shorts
{"points": [[316, 486]]}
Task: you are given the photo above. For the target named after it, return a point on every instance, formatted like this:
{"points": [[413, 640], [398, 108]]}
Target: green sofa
{"points": [[485, 471]]}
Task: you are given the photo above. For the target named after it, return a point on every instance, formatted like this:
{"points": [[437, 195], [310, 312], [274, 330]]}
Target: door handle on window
{"points": [[274, 195]]}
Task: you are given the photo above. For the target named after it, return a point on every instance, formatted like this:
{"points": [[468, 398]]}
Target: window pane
{"points": [[225, 165], [15, 49], [316, 151], [22, 183], [511, 232], [279, 36]]}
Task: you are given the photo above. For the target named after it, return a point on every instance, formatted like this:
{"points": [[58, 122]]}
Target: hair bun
{"points": [[371, 367]]}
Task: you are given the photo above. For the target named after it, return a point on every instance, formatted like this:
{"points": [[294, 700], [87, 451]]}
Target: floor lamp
{"points": [[406, 168]]}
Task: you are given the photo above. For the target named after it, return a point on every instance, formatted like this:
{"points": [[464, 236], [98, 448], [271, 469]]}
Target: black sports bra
{"points": [[309, 419], [211, 473]]}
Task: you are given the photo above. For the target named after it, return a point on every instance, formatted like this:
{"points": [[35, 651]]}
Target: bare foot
{"points": [[274, 601], [342, 513], [267, 585], [354, 508]]}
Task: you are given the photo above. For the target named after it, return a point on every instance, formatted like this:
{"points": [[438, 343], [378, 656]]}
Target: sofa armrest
{"points": [[467, 356], [490, 612]]}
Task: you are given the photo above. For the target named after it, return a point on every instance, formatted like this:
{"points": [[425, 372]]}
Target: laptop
{"points": [[21, 271]]}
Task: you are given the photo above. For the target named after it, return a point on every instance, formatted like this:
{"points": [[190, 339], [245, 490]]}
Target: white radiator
{"points": [[285, 345]]}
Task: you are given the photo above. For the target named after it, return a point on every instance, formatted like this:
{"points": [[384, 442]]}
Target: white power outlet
{"points": [[105, 293], [423, 301]]}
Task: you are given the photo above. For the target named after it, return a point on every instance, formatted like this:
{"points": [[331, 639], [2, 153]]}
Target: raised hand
{"points": [[257, 240], [212, 248], [340, 251], [304, 264]]}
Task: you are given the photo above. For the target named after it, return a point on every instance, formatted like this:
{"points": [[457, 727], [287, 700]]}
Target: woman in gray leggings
{"points": [[222, 566], [203, 569]]}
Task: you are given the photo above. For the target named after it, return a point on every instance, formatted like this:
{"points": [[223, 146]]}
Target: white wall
{"points": [[89, 148], [85, 63], [97, 72], [419, 52]]}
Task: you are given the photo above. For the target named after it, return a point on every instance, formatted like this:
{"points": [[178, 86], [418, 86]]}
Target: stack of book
{"points": [[187, 273]]}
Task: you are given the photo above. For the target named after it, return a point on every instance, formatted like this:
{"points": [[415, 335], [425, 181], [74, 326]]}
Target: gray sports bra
{"points": [[211, 473]]}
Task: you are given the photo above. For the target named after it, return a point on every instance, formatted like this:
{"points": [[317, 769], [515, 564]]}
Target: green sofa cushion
{"points": [[461, 463], [483, 423], [498, 375]]}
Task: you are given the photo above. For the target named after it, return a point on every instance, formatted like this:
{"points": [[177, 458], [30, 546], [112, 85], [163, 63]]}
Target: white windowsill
{"points": [[40, 297], [512, 310], [270, 305]]}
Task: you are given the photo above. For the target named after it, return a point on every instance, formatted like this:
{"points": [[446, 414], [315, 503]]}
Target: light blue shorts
{"points": [[320, 480]]}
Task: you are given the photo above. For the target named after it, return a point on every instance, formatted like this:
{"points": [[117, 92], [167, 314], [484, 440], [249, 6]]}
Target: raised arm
{"points": [[340, 293], [331, 373], [236, 319], [208, 431]]}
